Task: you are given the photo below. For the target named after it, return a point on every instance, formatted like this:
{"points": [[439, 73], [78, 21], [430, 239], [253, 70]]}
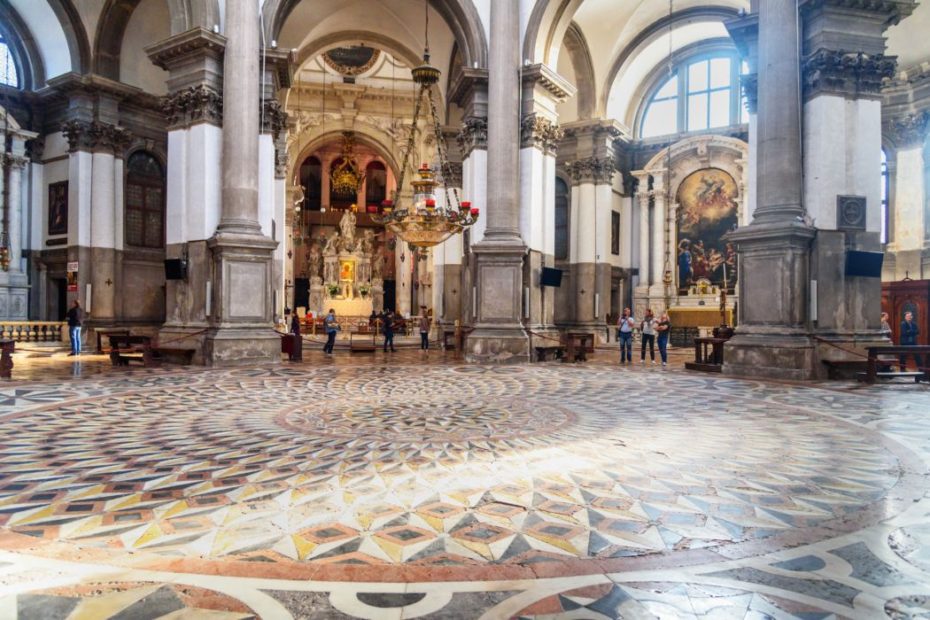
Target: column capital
{"points": [[454, 174], [193, 105], [10, 160], [474, 135], [749, 82], [910, 130], [96, 136], [844, 73], [274, 118], [592, 170], [536, 131]]}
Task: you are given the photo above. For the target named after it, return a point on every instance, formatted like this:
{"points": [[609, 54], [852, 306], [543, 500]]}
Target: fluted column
{"points": [[643, 196], [660, 212], [17, 165]]}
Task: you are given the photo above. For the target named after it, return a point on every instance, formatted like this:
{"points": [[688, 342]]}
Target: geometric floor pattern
{"points": [[452, 491]]}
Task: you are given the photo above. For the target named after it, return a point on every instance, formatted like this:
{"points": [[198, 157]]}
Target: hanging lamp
{"points": [[423, 223]]}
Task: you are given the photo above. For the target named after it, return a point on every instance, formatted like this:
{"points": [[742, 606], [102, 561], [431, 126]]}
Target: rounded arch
{"points": [[75, 34], [580, 56], [549, 22], [114, 18], [461, 16], [332, 132], [24, 49], [655, 30]]}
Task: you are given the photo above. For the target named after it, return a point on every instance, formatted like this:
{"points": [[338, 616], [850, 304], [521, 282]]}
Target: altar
{"points": [[350, 307]]}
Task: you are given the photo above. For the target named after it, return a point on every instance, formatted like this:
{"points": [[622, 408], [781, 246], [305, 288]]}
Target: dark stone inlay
{"points": [[390, 600], [825, 589]]}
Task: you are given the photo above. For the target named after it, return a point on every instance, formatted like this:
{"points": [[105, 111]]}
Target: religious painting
{"points": [[707, 211], [58, 209], [347, 271]]}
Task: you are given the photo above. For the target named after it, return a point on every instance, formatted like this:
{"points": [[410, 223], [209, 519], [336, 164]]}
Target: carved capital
{"points": [[541, 133], [35, 149], [96, 136], [911, 130], [274, 118], [453, 174], [592, 170], [474, 135], [190, 106], [9, 160], [849, 74], [280, 161]]}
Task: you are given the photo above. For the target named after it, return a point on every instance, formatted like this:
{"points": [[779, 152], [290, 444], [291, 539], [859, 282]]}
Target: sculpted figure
{"points": [[347, 227], [315, 261], [367, 243], [332, 244], [377, 265]]}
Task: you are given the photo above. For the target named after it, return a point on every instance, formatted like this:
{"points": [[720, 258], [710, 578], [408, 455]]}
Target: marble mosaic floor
{"points": [[423, 488]]}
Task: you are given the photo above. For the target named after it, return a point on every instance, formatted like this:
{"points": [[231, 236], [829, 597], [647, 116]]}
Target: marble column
{"points": [[909, 244], [773, 339], [659, 224], [499, 334], [643, 200], [14, 284], [241, 320]]}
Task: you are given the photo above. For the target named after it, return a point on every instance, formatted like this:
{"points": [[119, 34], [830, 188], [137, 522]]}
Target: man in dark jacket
{"points": [[388, 329], [75, 320], [909, 333]]}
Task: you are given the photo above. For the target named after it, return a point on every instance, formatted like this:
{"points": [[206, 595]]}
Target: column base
{"points": [[497, 346], [14, 296], [185, 337], [771, 355], [241, 346]]}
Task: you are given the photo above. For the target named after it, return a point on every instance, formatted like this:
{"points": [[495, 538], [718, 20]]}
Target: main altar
{"points": [[346, 271]]}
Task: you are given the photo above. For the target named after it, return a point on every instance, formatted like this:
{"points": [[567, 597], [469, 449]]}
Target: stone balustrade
{"points": [[34, 331]]}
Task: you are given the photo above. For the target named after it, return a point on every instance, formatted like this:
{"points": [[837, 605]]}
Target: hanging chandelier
{"points": [[424, 223]]}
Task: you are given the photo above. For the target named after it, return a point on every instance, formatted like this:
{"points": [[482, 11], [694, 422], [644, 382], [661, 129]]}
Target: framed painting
{"points": [[707, 211], [58, 209], [347, 271]]}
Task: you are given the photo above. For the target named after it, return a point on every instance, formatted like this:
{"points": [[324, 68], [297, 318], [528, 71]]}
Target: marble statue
{"points": [[315, 260], [367, 243], [377, 265], [332, 244], [347, 228]]}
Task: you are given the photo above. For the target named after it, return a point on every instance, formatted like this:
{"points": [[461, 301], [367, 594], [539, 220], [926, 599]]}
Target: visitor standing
{"points": [[424, 329], [297, 343], [75, 321], [664, 327], [332, 328], [388, 329], [886, 326], [625, 333], [648, 329], [909, 333]]}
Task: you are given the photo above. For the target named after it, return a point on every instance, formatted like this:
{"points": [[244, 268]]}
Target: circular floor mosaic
{"points": [[389, 467]]}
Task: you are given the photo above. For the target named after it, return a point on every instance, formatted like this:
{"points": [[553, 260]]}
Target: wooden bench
{"points": [[878, 356], [126, 348], [108, 333], [557, 351]]}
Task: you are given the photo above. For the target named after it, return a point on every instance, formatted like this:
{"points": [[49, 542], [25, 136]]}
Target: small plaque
{"points": [[850, 212]]}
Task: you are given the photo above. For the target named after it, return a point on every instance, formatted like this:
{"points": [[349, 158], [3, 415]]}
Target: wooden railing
{"points": [[34, 331]]}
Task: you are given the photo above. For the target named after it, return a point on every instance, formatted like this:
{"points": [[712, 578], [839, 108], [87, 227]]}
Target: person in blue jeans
{"points": [[663, 329], [909, 333], [75, 320], [625, 332], [332, 328]]}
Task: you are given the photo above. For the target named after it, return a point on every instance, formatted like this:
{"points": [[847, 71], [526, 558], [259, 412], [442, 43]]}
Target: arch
{"points": [[75, 34], [654, 30], [580, 55], [460, 15], [24, 49], [333, 131], [547, 20], [115, 15]]}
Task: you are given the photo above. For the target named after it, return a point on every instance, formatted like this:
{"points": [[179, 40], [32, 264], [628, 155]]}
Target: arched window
{"points": [[145, 201], [885, 182], [561, 219], [701, 94], [311, 178], [8, 74], [375, 183]]}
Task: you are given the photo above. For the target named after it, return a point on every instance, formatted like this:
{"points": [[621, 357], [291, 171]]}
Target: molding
{"points": [[848, 74], [541, 133], [193, 105], [182, 48], [554, 84], [895, 10]]}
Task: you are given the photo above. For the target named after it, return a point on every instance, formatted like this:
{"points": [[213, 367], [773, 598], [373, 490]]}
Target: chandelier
{"points": [[424, 223]]}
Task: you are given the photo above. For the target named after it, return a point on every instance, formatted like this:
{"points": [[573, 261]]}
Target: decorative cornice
{"points": [[467, 81], [592, 170], [96, 136], [849, 74], [541, 133], [895, 10], [474, 135], [180, 48], [274, 118], [193, 105], [911, 130], [554, 84], [745, 33]]}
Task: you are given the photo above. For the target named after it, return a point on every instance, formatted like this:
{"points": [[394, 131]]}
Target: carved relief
{"points": [[592, 170], [95, 135], [541, 133]]}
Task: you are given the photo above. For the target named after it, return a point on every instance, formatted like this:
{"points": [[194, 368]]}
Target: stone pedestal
{"points": [[317, 296], [499, 336], [240, 332], [773, 340]]}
